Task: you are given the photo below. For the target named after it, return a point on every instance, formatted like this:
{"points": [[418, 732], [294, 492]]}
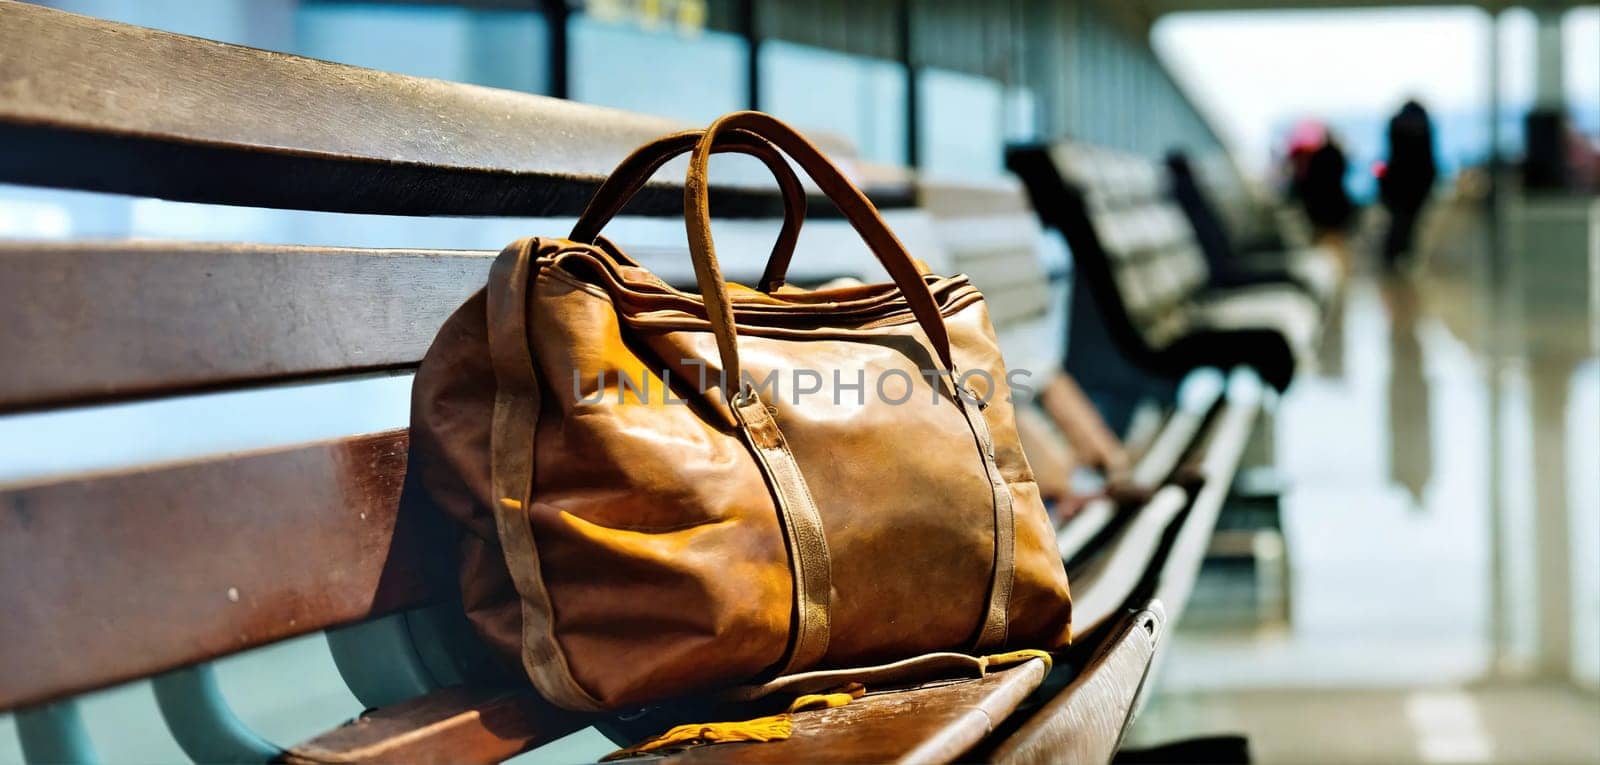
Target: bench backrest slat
{"points": [[164, 115], [116, 577], [105, 320]]}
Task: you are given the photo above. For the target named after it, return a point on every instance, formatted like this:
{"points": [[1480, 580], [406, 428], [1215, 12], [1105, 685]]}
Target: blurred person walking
{"points": [[1406, 180], [1319, 167]]}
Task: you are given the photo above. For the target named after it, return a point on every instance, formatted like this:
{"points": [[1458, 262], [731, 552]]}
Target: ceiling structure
{"points": [[1154, 8], [1147, 11]]}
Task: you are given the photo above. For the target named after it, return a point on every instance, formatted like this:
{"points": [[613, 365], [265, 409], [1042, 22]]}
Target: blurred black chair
{"points": [[1139, 262], [1237, 262]]}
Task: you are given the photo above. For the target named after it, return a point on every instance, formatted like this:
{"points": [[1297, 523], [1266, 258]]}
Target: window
{"points": [[960, 124], [502, 49], [862, 99], [690, 76]]}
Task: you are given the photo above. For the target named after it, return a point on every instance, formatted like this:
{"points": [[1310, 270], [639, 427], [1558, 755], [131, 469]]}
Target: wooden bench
{"points": [[153, 570], [1143, 273]]}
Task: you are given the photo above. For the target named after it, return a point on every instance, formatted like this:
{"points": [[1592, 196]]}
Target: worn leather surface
{"points": [[1048, 453], [624, 548]]}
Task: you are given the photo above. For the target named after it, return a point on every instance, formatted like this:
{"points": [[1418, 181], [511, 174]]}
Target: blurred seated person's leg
{"points": [[1051, 458], [1086, 431]]}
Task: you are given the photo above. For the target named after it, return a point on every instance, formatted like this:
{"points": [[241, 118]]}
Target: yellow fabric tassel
{"points": [[776, 727], [838, 698], [771, 728], [1015, 657]]}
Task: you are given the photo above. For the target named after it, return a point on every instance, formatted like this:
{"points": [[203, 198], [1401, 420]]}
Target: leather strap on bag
{"points": [[805, 543], [511, 460], [938, 665], [803, 535], [863, 217], [869, 224], [635, 171], [992, 634]]}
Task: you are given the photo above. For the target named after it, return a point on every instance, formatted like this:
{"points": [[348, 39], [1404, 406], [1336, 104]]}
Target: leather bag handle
{"points": [[755, 416], [859, 210], [635, 171]]}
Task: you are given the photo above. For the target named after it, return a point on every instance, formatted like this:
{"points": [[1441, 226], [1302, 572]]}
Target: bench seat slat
{"points": [[1105, 583], [1216, 461], [937, 723], [1085, 722], [451, 725], [117, 577], [927, 725]]}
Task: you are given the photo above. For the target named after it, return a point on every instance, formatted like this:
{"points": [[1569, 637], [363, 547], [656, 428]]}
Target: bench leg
{"points": [[200, 719], [379, 662], [54, 733]]}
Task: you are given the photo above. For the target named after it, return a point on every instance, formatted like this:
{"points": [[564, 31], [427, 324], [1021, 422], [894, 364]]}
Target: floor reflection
{"points": [[1410, 441], [1442, 532]]}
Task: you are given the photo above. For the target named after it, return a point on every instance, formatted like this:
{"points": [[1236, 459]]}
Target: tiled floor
{"points": [[1422, 609], [1519, 723]]}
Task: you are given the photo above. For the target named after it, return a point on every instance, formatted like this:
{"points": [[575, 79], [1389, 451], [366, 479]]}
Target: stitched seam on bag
{"points": [[963, 291], [952, 282], [965, 296]]}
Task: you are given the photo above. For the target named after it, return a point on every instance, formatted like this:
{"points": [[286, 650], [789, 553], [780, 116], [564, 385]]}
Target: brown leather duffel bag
{"points": [[667, 493]]}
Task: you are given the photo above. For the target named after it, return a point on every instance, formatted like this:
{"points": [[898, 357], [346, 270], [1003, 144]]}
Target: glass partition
{"points": [[690, 76], [862, 99], [960, 124]]}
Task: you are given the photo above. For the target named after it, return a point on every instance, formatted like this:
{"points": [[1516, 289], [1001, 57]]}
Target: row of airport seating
{"points": [[1162, 302], [150, 573]]}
